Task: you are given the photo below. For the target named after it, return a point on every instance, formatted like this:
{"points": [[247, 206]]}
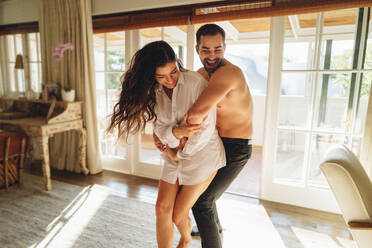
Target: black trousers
{"points": [[238, 151]]}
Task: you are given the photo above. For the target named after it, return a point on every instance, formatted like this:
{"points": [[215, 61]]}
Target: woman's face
{"points": [[167, 75]]}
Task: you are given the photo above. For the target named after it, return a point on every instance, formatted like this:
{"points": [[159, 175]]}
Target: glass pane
{"points": [[319, 147], [368, 60], [11, 75], [113, 81], [21, 80], [295, 100], [99, 54], [110, 144], [338, 39], [19, 48], [35, 77], [11, 49], [252, 59], [356, 145], [289, 165], [148, 35], [100, 93], [115, 51], [361, 112], [32, 42], [176, 36], [332, 100], [149, 153], [298, 50]]}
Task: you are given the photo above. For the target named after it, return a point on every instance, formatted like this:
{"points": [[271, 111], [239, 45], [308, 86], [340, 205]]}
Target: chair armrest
{"points": [[360, 225]]}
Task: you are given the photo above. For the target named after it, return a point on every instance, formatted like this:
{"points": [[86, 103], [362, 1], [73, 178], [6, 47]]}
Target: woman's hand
{"points": [[158, 143], [184, 129], [172, 153]]}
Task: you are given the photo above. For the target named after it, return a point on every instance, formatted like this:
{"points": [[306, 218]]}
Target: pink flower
{"points": [[60, 49]]}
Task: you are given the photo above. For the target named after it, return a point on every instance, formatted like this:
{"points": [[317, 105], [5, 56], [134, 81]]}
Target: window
{"points": [[34, 60], [324, 93], [23, 79], [109, 60]]}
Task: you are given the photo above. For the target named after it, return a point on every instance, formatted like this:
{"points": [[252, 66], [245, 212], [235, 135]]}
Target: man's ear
{"points": [[197, 48]]}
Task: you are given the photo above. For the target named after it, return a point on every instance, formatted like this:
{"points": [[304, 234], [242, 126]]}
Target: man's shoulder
{"points": [[228, 71]]}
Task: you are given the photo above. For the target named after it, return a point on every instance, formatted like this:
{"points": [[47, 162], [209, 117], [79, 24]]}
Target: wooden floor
{"points": [[283, 217]]}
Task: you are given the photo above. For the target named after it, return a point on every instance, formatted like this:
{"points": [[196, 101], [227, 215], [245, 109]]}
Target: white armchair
{"points": [[352, 189]]}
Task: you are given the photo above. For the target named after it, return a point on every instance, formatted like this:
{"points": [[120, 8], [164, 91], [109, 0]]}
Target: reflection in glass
{"points": [[99, 52], [332, 99], [290, 156], [115, 51], [149, 153], [108, 88], [252, 59], [295, 100], [319, 147], [32, 41], [361, 112]]}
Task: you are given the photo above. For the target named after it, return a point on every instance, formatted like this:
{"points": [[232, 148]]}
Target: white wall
{"points": [[18, 11]]}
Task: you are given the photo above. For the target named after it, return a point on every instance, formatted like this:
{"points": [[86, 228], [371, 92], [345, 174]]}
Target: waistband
{"points": [[237, 141]]}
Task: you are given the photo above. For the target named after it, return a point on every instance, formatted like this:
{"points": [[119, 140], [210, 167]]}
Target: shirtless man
{"points": [[228, 90]]}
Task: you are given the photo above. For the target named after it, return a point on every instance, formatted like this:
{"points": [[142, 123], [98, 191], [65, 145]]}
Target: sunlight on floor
{"points": [[311, 239], [247, 225], [73, 219]]}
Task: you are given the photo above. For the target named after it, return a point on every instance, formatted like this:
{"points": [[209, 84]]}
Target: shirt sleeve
{"points": [[165, 134], [199, 140]]}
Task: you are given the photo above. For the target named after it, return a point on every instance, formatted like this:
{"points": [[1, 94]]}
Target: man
{"points": [[228, 90]]}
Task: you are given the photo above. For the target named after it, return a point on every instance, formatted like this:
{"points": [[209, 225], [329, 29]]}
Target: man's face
{"points": [[211, 50]]}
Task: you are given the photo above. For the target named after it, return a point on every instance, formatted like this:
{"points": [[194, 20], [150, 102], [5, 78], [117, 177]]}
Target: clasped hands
{"points": [[183, 131]]}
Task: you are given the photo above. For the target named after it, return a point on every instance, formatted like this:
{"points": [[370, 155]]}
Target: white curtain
{"points": [[365, 155], [70, 21]]}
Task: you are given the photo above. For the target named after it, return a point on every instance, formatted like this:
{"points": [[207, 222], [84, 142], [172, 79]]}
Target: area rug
{"points": [[74, 216]]}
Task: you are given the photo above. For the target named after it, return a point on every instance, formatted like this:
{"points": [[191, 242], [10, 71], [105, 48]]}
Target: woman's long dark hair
{"points": [[137, 97]]}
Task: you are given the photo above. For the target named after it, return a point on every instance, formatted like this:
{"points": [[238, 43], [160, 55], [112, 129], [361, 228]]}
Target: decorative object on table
{"points": [[68, 94], [60, 49], [54, 91]]}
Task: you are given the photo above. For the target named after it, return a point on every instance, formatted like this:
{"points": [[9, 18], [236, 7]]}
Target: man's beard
{"points": [[209, 69]]}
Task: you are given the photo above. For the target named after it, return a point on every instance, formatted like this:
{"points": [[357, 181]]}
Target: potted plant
{"points": [[68, 94]]}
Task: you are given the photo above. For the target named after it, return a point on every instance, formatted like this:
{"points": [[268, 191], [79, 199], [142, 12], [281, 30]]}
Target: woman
{"points": [[156, 88]]}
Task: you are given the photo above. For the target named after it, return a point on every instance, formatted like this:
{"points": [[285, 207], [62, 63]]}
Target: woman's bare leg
{"points": [[186, 198], [167, 193]]}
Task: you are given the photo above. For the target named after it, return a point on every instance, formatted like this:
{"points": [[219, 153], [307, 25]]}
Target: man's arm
{"points": [[220, 84]]}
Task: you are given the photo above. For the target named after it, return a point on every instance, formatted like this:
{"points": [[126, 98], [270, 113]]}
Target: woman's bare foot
{"points": [[184, 243]]}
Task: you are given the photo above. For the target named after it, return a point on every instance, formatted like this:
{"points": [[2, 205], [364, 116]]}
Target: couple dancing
{"points": [[202, 124]]}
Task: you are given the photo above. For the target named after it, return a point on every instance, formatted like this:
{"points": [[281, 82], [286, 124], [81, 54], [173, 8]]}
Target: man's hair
{"points": [[209, 29]]}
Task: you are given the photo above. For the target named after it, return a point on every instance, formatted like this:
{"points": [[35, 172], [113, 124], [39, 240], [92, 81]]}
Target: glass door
{"points": [[317, 97], [109, 58]]}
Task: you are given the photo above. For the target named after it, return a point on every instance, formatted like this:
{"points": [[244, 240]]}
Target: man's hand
{"points": [[184, 129], [158, 143]]}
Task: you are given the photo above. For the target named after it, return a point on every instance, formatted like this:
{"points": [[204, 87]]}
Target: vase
{"points": [[68, 96]]}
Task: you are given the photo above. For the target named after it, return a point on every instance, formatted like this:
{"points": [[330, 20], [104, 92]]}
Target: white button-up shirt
{"points": [[203, 153]]}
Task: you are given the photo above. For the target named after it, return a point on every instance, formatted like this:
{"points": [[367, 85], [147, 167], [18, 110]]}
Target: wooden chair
{"points": [[12, 155]]}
